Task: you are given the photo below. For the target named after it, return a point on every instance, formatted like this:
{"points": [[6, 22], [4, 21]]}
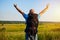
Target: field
{"points": [[46, 31]]}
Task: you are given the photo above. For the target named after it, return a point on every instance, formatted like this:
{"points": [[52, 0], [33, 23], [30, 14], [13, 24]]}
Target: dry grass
{"points": [[46, 31]]}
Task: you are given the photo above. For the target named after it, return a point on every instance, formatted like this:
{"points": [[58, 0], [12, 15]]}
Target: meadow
{"points": [[46, 31]]}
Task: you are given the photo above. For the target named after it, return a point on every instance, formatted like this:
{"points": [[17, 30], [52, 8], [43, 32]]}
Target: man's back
{"points": [[32, 24]]}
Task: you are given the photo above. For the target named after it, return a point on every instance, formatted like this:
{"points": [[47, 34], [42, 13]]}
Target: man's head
{"points": [[31, 11]]}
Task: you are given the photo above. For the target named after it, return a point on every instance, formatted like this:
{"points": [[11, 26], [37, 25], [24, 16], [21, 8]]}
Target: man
{"points": [[31, 32]]}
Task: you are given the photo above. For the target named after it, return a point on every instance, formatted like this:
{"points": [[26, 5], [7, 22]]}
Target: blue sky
{"points": [[9, 13]]}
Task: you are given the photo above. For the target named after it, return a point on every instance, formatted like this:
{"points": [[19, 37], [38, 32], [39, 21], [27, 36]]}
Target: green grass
{"points": [[46, 31]]}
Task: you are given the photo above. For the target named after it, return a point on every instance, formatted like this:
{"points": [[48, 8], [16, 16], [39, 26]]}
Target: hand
{"points": [[47, 5], [15, 5]]}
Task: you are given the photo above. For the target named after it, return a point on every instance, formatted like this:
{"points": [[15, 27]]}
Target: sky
{"points": [[9, 13]]}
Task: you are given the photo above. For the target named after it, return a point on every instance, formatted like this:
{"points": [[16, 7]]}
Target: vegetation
{"points": [[46, 31]]}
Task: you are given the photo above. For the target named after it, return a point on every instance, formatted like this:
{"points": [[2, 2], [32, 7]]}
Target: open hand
{"points": [[15, 5], [47, 5]]}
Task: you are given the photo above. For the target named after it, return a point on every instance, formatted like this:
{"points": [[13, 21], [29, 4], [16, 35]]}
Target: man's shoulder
{"points": [[25, 14]]}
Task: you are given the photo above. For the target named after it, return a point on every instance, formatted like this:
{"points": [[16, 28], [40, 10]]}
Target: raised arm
{"points": [[44, 10], [20, 11]]}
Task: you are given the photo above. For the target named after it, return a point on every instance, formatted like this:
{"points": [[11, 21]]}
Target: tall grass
{"points": [[46, 31], [21, 36]]}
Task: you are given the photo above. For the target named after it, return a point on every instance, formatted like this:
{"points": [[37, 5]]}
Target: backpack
{"points": [[32, 24]]}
